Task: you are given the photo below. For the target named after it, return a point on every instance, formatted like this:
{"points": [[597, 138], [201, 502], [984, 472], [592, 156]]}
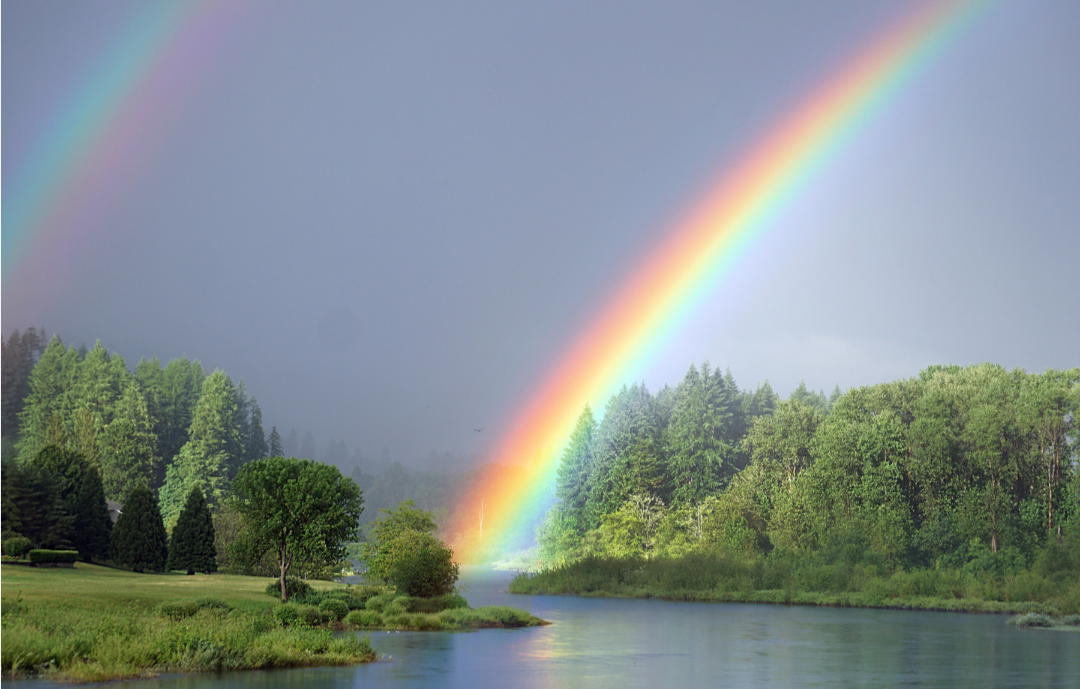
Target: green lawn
{"points": [[90, 586]]}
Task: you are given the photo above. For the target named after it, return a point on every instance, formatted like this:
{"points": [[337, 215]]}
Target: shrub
{"points": [[424, 566], [1034, 619], [364, 592], [53, 556], [337, 609], [178, 610], [311, 615], [17, 547], [380, 602], [449, 601], [364, 618], [288, 614], [294, 587]]}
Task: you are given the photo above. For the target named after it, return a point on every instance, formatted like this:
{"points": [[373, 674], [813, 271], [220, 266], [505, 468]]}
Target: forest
{"points": [[169, 427], [964, 469]]}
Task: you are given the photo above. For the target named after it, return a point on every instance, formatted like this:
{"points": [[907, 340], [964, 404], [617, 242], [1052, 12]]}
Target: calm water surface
{"points": [[648, 643]]}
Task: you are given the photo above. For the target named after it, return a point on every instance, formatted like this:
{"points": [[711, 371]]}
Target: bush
{"points": [[294, 587], [312, 616], [424, 566], [449, 601], [364, 592], [53, 556], [380, 602], [17, 547], [337, 609], [364, 618], [178, 610], [1034, 619], [288, 614]]}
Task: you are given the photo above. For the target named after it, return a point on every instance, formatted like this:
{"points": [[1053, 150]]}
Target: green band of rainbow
{"points": [[684, 271]]}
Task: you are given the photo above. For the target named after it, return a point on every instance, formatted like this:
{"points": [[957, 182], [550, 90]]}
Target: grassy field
{"points": [[90, 586], [92, 623]]}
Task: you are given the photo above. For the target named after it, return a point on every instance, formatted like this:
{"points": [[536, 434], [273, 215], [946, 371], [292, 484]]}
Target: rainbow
{"points": [[510, 496], [95, 139]]}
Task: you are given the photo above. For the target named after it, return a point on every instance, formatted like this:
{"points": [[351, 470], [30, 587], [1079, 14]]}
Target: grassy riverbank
{"points": [[93, 623], [718, 579]]}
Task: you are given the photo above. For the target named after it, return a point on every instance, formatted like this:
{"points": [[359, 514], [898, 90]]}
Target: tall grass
{"points": [[114, 643], [784, 578]]}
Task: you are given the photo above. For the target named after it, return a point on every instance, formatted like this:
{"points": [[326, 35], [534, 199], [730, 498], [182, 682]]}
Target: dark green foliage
{"points": [[696, 438], [294, 586], [92, 530], [255, 445], [275, 448], [20, 353], [52, 556], [424, 566], [139, 540], [364, 619], [18, 547], [378, 553], [302, 511], [337, 609], [66, 469], [32, 507], [191, 547]]}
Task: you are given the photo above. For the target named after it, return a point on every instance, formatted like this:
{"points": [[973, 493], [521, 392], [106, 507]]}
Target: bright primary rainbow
{"points": [[510, 496]]}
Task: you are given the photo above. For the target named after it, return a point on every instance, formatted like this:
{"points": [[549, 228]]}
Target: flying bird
{"points": [[479, 429]]}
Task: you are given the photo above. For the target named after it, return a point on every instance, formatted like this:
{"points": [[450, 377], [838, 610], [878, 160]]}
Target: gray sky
{"points": [[390, 219]]}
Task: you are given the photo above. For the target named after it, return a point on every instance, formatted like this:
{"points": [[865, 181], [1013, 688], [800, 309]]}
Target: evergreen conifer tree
{"points": [[255, 446], [93, 528], [214, 446], [191, 547], [129, 445], [139, 539], [574, 470], [276, 448]]}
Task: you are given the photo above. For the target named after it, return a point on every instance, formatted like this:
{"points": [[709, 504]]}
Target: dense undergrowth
{"points": [[1051, 585]]}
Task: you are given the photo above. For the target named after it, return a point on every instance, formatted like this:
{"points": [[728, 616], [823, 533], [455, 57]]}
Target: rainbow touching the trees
{"points": [[96, 136], [507, 501]]}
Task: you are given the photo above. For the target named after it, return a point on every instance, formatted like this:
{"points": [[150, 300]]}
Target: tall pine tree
{"points": [[577, 460], [191, 547], [139, 539], [128, 445], [92, 530], [276, 449], [213, 447]]}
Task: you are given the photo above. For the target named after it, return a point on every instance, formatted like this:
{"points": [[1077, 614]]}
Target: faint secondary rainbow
{"points": [[509, 498], [94, 140]]}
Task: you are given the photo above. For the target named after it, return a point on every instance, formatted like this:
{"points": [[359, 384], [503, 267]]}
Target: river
{"points": [[596, 642]]}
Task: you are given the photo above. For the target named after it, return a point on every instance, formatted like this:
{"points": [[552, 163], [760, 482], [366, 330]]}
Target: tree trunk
{"points": [[284, 563]]}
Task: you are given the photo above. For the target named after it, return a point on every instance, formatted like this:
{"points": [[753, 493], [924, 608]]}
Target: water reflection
{"points": [[648, 643]]}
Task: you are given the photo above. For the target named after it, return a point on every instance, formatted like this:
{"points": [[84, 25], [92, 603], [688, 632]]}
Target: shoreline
{"points": [[826, 600]]}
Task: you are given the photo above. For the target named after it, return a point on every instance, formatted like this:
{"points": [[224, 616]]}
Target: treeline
{"points": [[958, 467], [169, 427]]}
